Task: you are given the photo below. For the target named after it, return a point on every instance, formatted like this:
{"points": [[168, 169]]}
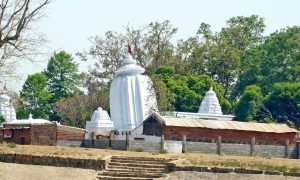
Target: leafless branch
{"points": [[18, 41]]}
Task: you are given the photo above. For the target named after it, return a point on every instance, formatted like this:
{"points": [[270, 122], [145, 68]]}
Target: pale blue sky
{"points": [[69, 23]]}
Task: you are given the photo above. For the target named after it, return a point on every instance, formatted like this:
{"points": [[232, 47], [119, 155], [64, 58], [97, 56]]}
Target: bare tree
{"points": [[18, 40]]}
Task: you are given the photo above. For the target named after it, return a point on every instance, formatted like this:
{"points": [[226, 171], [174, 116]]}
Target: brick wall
{"points": [[201, 147], [68, 143], [229, 136], [152, 127], [145, 145], [118, 144], [43, 134], [173, 146], [19, 136], [101, 143], [236, 149], [69, 133], [1, 136]]}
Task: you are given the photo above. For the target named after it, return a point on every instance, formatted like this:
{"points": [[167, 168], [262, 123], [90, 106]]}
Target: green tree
{"points": [[63, 76], [152, 43], [2, 119], [249, 104], [276, 60], [219, 54], [188, 91], [284, 102], [35, 95], [76, 110]]}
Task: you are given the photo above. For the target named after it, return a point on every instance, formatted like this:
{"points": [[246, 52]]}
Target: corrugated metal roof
{"points": [[232, 125]]}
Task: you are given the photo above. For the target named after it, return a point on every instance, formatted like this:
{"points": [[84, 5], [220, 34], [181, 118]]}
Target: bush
{"points": [[139, 150], [11, 145], [163, 151]]}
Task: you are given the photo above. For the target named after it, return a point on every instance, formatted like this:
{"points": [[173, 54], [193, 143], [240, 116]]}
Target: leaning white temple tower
{"points": [[132, 97]]}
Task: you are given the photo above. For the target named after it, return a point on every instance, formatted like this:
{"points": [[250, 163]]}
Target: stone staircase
{"points": [[121, 167]]}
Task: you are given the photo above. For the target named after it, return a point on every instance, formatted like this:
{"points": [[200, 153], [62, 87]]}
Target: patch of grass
{"points": [[231, 164], [73, 146], [11, 145], [281, 168], [295, 170], [163, 151], [139, 150]]}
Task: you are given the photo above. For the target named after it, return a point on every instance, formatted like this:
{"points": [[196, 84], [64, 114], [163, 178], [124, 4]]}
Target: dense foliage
{"points": [[188, 91], [36, 96], [2, 119], [256, 77], [62, 74], [41, 91]]}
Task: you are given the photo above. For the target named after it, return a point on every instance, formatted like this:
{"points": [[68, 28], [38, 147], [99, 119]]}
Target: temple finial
{"points": [[130, 49]]}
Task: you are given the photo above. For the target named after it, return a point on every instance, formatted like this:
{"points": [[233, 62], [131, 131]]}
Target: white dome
{"points": [[100, 122], [129, 67], [210, 104], [100, 115]]}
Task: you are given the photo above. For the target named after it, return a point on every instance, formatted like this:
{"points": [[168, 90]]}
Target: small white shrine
{"points": [[100, 122], [6, 109], [210, 104], [209, 109]]}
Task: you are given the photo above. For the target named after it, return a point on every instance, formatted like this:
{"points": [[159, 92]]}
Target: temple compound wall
{"points": [[190, 135]]}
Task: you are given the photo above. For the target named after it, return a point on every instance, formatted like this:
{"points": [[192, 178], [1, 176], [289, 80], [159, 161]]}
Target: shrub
{"points": [[281, 168], [11, 145], [163, 151]]}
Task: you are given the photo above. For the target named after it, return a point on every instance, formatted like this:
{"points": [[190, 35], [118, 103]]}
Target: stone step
{"points": [[153, 170], [135, 168], [138, 161], [140, 158], [137, 165], [131, 174], [123, 178]]}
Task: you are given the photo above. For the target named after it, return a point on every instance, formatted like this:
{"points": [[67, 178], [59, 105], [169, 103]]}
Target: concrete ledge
{"points": [[221, 170], [172, 167], [296, 174], [191, 168], [248, 171], [97, 164], [273, 173]]}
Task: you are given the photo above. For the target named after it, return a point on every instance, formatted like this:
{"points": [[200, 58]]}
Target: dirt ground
{"points": [[11, 171], [224, 176], [188, 159]]}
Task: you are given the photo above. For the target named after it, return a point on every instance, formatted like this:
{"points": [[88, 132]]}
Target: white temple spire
{"points": [[131, 96], [210, 104]]}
